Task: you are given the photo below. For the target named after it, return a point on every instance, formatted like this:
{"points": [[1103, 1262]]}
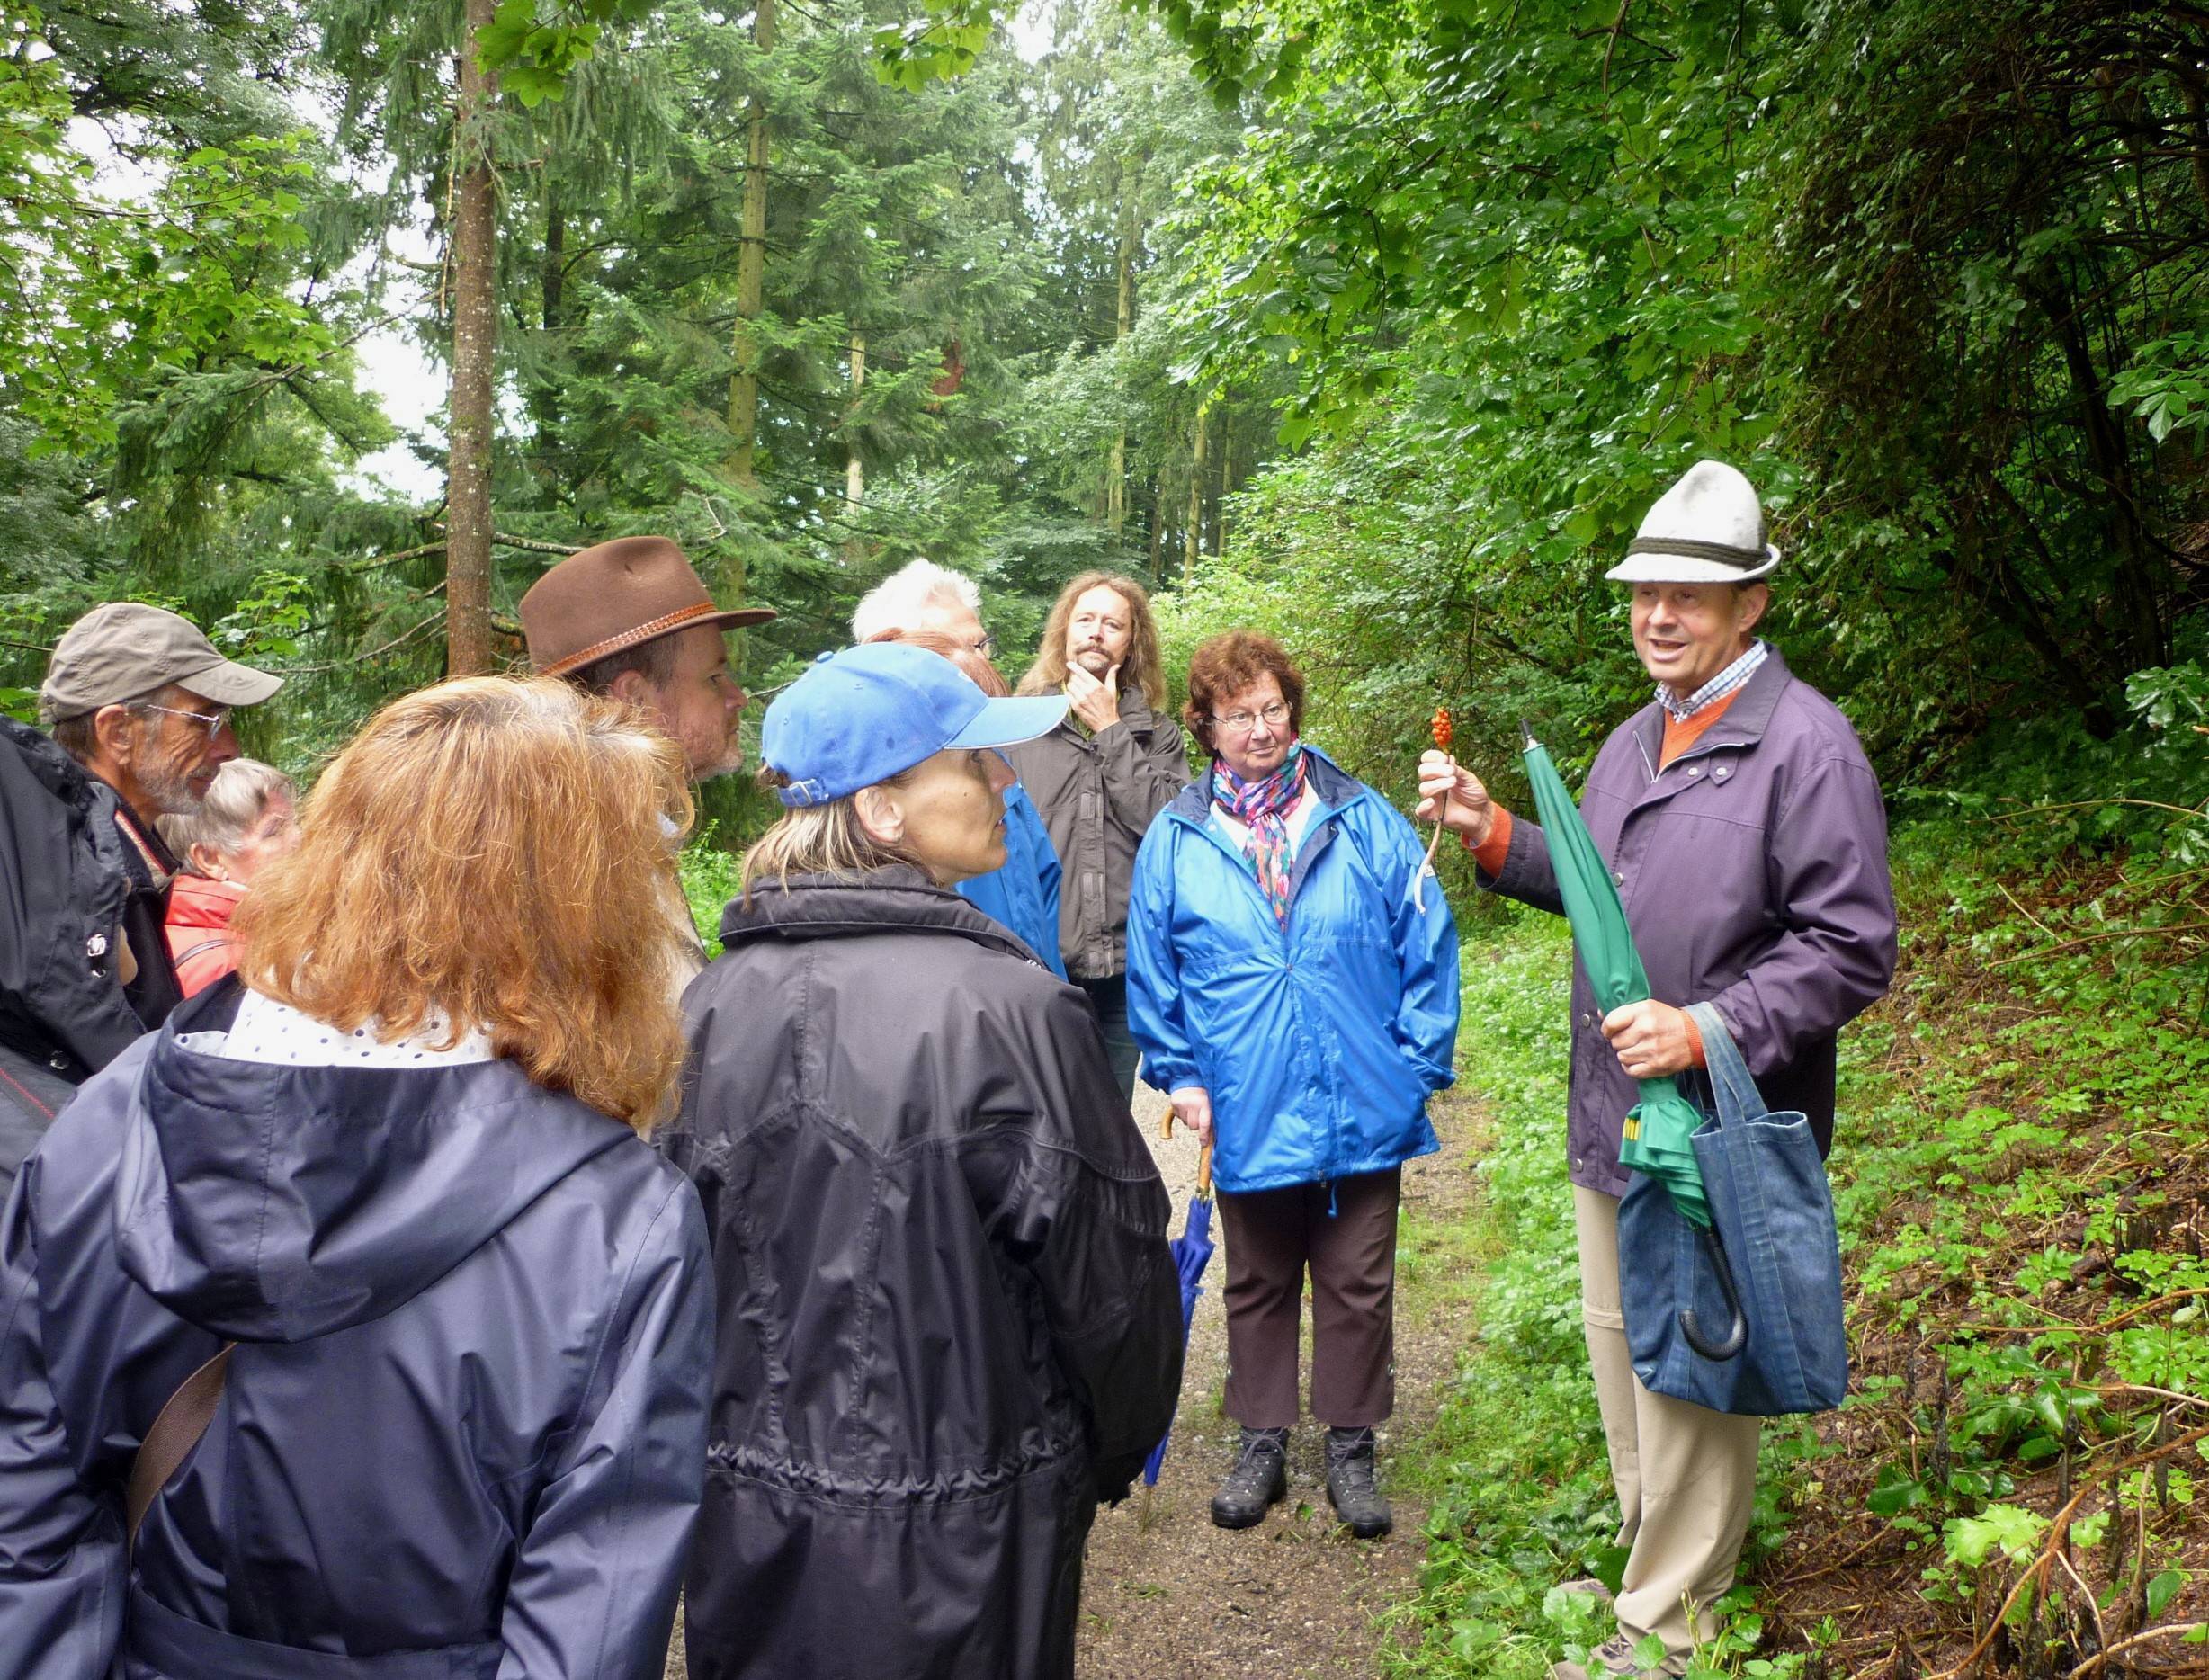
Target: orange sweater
{"points": [[1679, 736]]}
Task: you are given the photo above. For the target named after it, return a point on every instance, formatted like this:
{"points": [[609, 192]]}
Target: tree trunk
{"points": [[854, 469], [2141, 635], [1157, 531], [1226, 465], [1193, 538], [475, 345], [1117, 471], [751, 279], [544, 397]]}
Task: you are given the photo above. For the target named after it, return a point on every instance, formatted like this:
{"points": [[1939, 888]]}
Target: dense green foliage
{"points": [[1928, 272], [962, 344]]}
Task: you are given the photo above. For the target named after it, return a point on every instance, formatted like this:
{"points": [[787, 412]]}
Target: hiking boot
{"points": [[1350, 1483], [1587, 1586], [1608, 1661], [1260, 1476]]}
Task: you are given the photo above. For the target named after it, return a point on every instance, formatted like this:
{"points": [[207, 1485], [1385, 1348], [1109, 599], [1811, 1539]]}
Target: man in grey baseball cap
{"points": [[139, 703]]}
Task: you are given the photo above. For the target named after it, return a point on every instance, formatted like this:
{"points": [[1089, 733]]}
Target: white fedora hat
{"points": [[1706, 529]]}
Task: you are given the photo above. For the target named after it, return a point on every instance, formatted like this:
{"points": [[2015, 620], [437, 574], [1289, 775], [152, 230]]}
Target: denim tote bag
{"points": [[1773, 1213]]}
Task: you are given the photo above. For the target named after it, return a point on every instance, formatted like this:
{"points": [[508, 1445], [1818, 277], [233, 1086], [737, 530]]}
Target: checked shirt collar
{"points": [[1724, 684]]}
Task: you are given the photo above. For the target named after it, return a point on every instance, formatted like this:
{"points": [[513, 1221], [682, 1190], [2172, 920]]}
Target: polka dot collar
{"points": [[266, 1031]]}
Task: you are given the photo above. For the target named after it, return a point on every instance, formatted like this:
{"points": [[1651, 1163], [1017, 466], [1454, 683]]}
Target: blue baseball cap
{"points": [[861, 716]]}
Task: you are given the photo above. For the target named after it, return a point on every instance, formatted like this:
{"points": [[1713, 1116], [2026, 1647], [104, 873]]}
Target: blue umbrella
{"points": [[1192, 1254]]}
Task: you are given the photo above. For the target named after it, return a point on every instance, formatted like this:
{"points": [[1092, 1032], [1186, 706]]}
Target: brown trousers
{"points": [[1273, 1237]]}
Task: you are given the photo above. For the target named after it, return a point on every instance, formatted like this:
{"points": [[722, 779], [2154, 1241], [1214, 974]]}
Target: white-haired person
{"points": [[248, 819], [922, 596]]}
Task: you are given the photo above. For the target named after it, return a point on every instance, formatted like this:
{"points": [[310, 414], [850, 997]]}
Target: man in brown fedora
{"points": [[630, 619]]}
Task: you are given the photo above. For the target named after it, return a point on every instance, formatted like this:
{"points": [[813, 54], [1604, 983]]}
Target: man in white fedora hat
{"points": [[1743, 825]]}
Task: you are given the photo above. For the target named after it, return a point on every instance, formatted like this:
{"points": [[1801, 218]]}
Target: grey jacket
{"points": [[1753, 873], [1097, 794]]}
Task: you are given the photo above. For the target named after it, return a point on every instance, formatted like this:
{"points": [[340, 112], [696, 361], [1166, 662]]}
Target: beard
{"points": [[167, 783], [728, 760], [1096, 661]]}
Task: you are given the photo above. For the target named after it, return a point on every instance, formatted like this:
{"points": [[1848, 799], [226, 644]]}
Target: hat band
{"points": [[1724, 553], [650, 630]]}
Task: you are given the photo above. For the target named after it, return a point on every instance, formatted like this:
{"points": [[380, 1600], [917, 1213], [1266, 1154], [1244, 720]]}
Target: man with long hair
{"points": [[1100, 777]]}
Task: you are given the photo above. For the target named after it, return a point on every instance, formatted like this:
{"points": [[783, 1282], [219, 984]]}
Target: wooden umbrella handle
{"points": [[1203, 1171]]}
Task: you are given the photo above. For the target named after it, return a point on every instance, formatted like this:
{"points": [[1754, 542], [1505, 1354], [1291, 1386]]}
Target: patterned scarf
{"points": [[1263, 807]]}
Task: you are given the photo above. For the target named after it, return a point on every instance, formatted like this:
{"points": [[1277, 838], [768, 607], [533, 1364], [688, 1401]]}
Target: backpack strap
{"points": [[183, 1420], [202, 949]]}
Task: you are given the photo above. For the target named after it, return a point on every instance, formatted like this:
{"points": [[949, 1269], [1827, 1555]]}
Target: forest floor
{"points": [[1166, 1594]]}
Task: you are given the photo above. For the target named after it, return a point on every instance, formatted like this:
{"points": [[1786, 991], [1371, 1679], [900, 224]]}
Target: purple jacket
{"points": [[1753, 873]]}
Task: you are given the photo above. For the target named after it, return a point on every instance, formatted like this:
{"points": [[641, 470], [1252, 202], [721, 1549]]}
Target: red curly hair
{"points": [[1225, 664]]}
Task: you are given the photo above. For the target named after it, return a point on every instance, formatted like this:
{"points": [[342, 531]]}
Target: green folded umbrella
{"points": [[1656, 1133]]}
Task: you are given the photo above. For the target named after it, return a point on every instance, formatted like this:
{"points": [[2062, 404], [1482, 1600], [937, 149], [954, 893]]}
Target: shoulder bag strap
{"points": [[1736, 1091], [169, 1443]]}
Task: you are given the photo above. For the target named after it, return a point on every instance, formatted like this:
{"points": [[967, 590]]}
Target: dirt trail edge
{"points": [[1166, 1596]]}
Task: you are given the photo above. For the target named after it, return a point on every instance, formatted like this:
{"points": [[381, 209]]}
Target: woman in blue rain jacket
{"points": [[1298, 1000], [1023, 895]]}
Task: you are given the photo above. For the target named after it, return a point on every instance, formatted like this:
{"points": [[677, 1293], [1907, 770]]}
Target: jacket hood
{"points": [[896, 899], [63, 777], [268, 1203]]}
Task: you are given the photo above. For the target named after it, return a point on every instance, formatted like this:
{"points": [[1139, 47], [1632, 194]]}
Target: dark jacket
{"points": [[1753, 873], [948, 1318], [1320, 1041], [465, 1415], [69, 879], [1098, 793]]}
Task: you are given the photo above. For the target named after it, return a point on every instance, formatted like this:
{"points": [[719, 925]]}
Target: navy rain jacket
{"points": [[463, 1432]]}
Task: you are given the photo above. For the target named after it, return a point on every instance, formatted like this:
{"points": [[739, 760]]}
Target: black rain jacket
{"points": [[462, 1434], [950, 1322], [66, 885]]}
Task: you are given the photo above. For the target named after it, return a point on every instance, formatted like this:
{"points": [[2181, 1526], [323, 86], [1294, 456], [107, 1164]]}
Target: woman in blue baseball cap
{"points": [[949, 1321]]}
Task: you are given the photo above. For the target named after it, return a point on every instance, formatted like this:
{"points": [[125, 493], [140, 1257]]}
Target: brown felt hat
{"points": [[617, 597]]}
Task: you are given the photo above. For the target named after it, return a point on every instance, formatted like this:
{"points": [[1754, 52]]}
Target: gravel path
{"points": [[1168, 1596]]}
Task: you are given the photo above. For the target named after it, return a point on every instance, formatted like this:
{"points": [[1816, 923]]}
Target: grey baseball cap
{"points": [[126, 650]]}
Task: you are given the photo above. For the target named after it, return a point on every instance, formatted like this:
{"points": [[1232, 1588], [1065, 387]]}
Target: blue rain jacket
{"points": [[1319, 1044], [462, 1434], [1023, 895]]}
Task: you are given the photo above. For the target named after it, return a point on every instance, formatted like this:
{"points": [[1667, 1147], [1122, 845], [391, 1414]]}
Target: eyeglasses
{"points": [[214, 720], [986, 647], [1274, 715]]}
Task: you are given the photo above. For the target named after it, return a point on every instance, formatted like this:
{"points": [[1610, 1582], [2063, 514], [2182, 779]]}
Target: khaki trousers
{"points": [[1685, 1476]]}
